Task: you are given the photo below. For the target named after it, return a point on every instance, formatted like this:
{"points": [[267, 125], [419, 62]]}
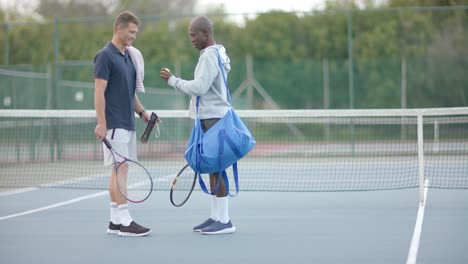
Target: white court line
{"points": [[413, 253], [66, 182], [48, 185], [18, 191], [81, 198], [78, 199]]}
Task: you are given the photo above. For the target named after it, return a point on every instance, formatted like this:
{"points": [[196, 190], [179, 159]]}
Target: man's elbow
{"points": [[199, 89]]}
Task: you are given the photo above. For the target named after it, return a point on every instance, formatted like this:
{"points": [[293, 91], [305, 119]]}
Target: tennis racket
{"points": [[182, 186], [149, 127], [133, 180]]}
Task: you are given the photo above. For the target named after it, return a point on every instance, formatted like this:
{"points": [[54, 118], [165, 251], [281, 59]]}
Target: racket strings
{"points": [[134, 181]]}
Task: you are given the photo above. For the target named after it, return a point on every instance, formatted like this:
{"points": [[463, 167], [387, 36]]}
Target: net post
{"points": [[436, 136], [6, 28], [421, 158]]}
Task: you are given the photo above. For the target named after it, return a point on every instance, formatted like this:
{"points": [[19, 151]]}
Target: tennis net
{"points": [[297, 150]]}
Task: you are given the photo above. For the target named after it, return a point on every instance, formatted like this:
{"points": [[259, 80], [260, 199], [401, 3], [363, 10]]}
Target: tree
{"points": [[72, 8], [288, 49], [172, 8], [276, 35]]}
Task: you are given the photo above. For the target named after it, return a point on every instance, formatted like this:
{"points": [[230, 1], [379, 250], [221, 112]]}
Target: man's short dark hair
{"points": [[125, 18]]}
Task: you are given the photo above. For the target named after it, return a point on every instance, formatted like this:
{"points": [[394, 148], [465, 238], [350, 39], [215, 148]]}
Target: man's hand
{"points": [[145, 116], [100, 131], [165, 74]]}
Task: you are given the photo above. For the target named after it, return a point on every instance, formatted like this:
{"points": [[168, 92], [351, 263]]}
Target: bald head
{"points": [[201, 32], [202, 23]]}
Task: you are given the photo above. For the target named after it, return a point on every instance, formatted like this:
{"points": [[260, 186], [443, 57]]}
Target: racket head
{"points": [[182, 186], [134, 181]]}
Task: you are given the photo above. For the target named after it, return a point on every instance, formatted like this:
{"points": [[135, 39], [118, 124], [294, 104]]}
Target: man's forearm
{"points": [[100, 106], [138, 106]]}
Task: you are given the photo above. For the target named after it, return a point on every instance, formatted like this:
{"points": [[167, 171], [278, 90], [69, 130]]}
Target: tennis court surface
{"points": [[350, 186]]}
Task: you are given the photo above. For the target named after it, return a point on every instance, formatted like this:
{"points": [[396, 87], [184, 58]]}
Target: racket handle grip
{"points": [[108, 145], [154, 118]]}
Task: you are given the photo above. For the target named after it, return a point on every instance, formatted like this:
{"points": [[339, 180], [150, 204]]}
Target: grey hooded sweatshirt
{"points": [[208, 83]]}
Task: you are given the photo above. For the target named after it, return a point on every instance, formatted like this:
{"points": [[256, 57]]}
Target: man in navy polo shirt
{"points": [[116, 103]]}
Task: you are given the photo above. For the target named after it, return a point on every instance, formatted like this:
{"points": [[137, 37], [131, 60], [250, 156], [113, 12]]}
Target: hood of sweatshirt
{"points": [[222, 53]]}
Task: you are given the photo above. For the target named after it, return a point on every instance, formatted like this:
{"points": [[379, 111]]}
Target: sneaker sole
{"points": [[112, 232], [133, 234], [222, 231]]}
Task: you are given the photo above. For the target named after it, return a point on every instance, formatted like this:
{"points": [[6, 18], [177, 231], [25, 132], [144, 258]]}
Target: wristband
{"points": [[141, 113]]}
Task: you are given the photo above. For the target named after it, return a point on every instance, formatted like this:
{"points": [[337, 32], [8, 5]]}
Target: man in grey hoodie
{"points": [[208, 83]]}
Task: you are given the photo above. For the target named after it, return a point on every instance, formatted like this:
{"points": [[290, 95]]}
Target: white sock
{"points": [[223, 209], [214, 208], [114, 213], [124, 214]]}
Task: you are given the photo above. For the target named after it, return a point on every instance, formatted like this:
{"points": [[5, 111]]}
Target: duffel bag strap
{"points": [[226, 182]]}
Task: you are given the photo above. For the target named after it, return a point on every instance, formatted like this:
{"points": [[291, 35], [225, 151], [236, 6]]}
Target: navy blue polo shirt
{"points": [[118, 70]]}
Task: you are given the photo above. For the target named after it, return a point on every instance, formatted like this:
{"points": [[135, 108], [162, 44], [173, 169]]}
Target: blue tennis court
{"points": [[319, 187], [69, 226]]}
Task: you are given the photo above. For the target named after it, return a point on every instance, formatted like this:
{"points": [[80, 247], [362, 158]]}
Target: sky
{"points": [[231, 6], [254, 6]]}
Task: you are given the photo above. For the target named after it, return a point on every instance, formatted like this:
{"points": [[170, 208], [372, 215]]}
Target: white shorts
{"points": [[123, 142]]}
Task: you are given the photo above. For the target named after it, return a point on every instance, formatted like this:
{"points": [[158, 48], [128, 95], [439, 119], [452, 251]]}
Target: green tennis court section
{"points": [[331, 186]]}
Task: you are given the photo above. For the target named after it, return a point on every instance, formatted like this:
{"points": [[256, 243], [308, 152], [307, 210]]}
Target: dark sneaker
{"points": [[134, 230], [113, 228], [207, 223], [219, 228]]}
